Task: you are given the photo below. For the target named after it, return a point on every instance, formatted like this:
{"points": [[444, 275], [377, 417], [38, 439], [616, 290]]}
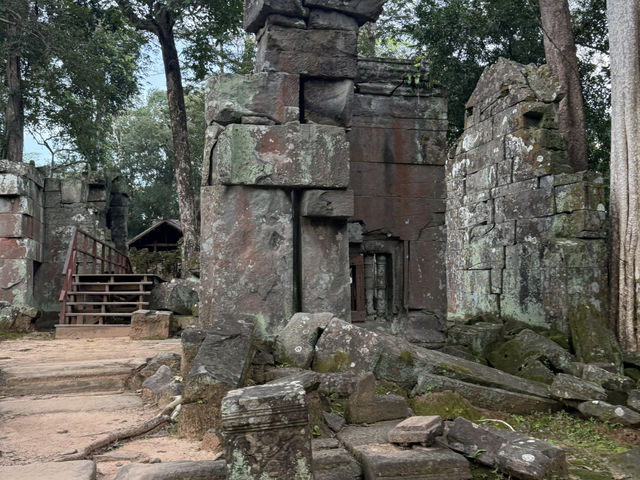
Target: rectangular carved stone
{"points": [[427, 276], [266, 432], [150, 325], [246, 253], [315, 53], [327, 203], [230, 97], [325, 267], [313, 156], [257, 11], [361, 10], [331, 20]]}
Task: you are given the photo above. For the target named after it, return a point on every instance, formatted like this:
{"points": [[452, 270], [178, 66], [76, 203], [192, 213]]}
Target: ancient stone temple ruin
{"points": [[37, 217]]}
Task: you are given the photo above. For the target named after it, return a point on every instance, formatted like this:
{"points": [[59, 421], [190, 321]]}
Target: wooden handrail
{"points": [[115, 262]]}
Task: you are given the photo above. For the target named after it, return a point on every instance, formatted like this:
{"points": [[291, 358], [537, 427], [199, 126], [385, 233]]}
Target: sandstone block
{"points": [[177, 296], [610, 413], [75, 470], [420, 429], [384, 461], [335, 464], [568, 387], [327, 203], [364, 406], [479, 337], [150, 325], [185, 470], [331, 20], [190, 339], [512, 453], [74, 190], [257, 11], [296, 342], [633, 401], [326, 285], [328, 102], [363, 11], [312, 156], [161, 387], [266, 432], [314, 53], [246, 264], [230, 97]]}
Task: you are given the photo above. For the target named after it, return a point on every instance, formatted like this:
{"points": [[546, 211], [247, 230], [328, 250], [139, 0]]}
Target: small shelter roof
{"points": [[162, 235]]}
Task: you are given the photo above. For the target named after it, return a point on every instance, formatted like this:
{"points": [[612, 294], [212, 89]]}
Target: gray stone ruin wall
{"points": [[275, 200], [526, 235], [37, 216], [397, 148]]}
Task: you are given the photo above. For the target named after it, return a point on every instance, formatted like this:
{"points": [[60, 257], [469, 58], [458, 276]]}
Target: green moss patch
{"points": [[449, 405]]}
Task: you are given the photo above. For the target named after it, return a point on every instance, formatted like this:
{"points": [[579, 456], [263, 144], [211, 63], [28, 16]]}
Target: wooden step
{"points": [[98, 314], [108, 303], [112, 284], [113, 292]]}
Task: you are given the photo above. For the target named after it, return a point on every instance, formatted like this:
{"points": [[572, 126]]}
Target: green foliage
{"points": [[142, 149], [164, 264], [79, 64]]}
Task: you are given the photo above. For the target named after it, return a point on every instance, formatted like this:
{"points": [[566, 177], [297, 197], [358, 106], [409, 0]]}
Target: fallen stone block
{"points": [[313, 53], [592, 340], [150, 325], [161, 387], [230, 97], [617, 386], [364, 406], [171, 360], [266, 432], [329, 102], [485, 397], [353, 436], [190, 339], [512, 453], [478, 336], [296, 342], [257, 11], [202, 470], [421, 429], [384, 461], [327, 203], [633, 401], [75, 470], [17, 318], [334, 464], [610, 413], [177, 296], [334, 421], [568, 387], [363, 11], [626, 465], [295, 155]]}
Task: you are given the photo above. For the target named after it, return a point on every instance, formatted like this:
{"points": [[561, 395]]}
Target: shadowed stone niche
{"points": [[525, 234]]}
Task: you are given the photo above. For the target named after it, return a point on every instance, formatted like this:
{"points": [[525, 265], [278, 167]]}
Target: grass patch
{"points": [[10, 335]]}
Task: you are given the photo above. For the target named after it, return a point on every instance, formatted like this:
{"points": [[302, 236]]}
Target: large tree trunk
{"points": [[14, 114], [182, 159], [560, 51], [624, 40]]}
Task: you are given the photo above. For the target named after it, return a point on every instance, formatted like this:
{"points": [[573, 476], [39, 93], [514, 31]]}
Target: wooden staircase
{"points": [[100, 292]]}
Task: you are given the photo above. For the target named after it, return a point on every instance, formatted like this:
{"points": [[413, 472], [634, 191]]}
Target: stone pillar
{"points": [[266, 432]]}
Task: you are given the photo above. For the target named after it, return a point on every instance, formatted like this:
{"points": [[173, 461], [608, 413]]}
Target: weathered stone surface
{"points": [[334, 421], [324, 257], [361, 10], [512, 453], [202, 470], [592, 340], [76, 470], [331, 20], [257, 11], [617, 386], [230, 97], [386, 461], [633, 400], [627, 464], [74, 190], [246, 264], [190, 339], [610, 413], [420, 429], [307, 155], [171, 360], [296, 341], [327, 203], [314, 53], [424, 329], [150, 325], [364, 406], [328, 102], [177, 296], [17, 318], [485, 397], [335, 464], [479, 337], [267, 433], [568, 387], [160, 387]]}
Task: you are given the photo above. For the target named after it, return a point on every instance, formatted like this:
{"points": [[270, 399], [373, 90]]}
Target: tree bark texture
{"points": [[560, 52], [624, 39], [182, 159], [14, 113]]}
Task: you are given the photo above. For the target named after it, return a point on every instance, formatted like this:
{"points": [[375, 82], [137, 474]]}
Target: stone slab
{"points": [[76, 470], [150, 325], [202, 470], [257, 11], [314, 53], [92, 331], [296, 341], [419, 429], [307, 155], [246, 264], [230, 97], [335, 464], [327, 203], [362, 10], [328, 102]]}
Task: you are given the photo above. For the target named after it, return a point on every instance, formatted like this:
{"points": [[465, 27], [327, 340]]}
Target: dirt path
{"points": [[39, 428]]}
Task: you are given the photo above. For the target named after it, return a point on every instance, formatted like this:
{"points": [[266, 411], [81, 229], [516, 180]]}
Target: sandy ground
{"points": [[38, 428]]}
